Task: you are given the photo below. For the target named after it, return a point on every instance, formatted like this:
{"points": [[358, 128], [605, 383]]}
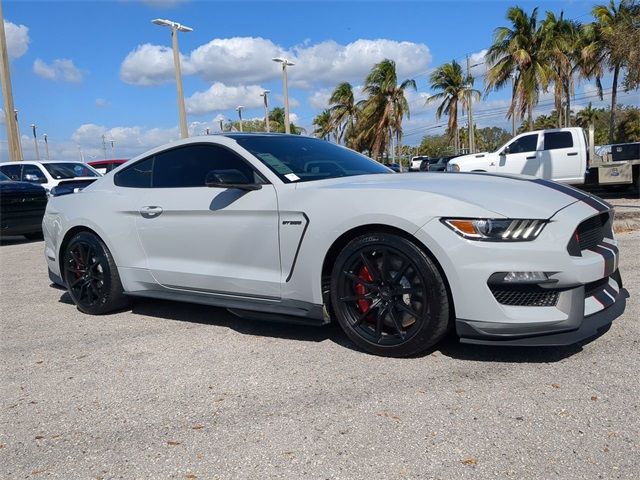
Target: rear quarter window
{"points": [[556, 140]]}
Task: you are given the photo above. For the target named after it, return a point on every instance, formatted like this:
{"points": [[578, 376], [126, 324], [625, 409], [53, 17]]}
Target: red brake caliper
{"points": [[363, 304]]}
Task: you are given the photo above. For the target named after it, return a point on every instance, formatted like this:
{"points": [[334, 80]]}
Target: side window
{"points": [[11, 171], [137, 175], [188, 166], [528, 143], [33, 174], [555, 140]]}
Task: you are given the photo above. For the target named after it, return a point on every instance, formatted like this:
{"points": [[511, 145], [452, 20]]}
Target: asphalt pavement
{"points": [[170, 390]]}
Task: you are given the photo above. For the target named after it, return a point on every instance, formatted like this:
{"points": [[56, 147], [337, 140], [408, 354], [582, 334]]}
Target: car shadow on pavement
{"points": [[16, 240], [449, 347], [208, 315]]}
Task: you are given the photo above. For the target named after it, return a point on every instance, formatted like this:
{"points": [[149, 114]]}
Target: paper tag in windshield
{"points": [[292, 177], [274, 163]]}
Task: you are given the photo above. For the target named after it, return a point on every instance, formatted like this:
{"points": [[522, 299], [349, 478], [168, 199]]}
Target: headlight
{"points": [[453, 167], [496, 230]]}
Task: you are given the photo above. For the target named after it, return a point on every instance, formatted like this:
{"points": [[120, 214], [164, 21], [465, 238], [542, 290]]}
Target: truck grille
{"points": [[525, 295]]}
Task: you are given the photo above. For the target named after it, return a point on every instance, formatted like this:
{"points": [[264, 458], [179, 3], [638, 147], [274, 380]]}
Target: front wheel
{"points": [[91, 275], [388, 296]]}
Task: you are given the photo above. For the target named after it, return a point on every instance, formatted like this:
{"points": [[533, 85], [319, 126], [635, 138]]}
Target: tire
{"points": [[91, 275], [34, 236], [388, 296]]}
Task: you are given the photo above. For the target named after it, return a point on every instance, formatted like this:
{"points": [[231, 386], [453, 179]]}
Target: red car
{"points": [[105, 166]]}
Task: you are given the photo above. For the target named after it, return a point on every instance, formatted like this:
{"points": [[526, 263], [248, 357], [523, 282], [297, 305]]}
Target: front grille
{"points": [[588, 234], [525, 295]]}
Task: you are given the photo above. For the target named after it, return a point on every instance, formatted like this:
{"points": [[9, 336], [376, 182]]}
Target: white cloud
{"points": [[17, 39], [102, 102], [249, 59], [320, 98], [478, 71], [222, 97], [61, 69], [149, 65]]}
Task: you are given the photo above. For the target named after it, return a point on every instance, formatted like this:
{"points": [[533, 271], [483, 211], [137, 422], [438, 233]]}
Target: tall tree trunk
{"points": [[567, 118], [614, 94]]}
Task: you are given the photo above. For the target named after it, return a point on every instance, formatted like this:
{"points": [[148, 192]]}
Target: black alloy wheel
{"points": [[91, 275], [388, 296]]}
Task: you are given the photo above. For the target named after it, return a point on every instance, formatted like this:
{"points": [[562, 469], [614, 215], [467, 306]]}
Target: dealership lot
{"points": [[171, 390]]}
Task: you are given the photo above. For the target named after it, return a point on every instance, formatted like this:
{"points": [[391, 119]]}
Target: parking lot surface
{"points": [[170, 390]]}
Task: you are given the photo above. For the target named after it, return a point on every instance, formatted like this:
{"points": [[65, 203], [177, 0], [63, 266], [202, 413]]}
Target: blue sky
{"points": [[84, 69]]}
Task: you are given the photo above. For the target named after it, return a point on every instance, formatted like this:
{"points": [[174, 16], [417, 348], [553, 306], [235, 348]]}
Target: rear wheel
{"points": [[388, 296], [91, 275]]}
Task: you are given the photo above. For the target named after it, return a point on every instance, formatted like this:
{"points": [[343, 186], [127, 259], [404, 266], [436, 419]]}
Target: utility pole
{"points": [[472, 138], [207, 130], [35, 141], [46, 145], [264, 94], [104, 147], [113, 150], [221, 125], [239, 110], [13, 138]]}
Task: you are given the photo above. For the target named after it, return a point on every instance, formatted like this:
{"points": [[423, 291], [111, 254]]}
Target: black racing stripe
{"points": [[609, 259], [603, 298], [572, 192], [611, 291], [610, 247]]}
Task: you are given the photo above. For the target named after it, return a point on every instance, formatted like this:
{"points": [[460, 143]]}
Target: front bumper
{"points": [[579, 325], [588, 286]]}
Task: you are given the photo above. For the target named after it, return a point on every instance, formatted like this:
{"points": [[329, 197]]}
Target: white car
{"points": [[414, 166], [286, 227], [50, 174]]}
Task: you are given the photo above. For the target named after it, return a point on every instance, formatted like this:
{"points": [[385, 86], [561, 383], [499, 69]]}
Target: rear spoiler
{"points": [[65, 187]]}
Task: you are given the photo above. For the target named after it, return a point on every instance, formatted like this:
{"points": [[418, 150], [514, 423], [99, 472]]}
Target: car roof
{"points": [[41, 161]]}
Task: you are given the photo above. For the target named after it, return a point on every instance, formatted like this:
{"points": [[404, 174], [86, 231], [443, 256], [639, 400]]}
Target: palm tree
{"points": [[454, 87], [276, 116], [385, 107], [324, 125], [518, 52], [344, 113], [561, 42], [587, 116], [610, 23]]}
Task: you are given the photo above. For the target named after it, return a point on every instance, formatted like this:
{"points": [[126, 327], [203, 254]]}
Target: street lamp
{"points": [[265, 94], [35, 140], [221, 125], [175, 28], [285, 63], [239, 110], [46, 145]]}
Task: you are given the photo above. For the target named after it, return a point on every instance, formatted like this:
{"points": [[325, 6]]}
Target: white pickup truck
{"points": [[561, 154]]}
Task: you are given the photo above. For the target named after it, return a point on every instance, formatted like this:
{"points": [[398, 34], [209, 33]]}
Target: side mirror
{"points": [[505, 150], [230, 179]]}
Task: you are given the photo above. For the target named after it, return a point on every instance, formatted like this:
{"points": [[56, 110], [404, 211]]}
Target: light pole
{"points": [[13, 138], [265, 94], [222, 125], [175, 28], [104, 147], [35, 140], [46, 145], [113, 149], [285, 63], [472, 133], [239, 110]]}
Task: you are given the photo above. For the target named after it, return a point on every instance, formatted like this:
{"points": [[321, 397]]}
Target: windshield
{"points": [[302, 159], [4, 178], [69, 170]]}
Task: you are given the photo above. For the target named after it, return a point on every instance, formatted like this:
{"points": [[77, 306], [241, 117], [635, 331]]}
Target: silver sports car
{"points": [[283, 227]]}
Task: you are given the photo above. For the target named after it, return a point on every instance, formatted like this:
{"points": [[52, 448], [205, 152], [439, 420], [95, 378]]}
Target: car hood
{"points": [[20, 187], [471, 156], [511, 196]]}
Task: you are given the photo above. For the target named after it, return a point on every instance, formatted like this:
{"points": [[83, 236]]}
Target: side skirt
{"points": [[281, 310]]}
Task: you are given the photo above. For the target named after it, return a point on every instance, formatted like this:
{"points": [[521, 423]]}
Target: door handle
{"points": [[492, 164], [571, 154], [150, 211], [531, 158]]}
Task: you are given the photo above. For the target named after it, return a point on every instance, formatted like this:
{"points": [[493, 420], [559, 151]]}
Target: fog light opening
{"points": [[525, 277]]}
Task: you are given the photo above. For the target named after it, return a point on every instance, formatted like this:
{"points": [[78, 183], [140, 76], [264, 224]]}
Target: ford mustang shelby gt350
{"points": [[284, 227]]}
